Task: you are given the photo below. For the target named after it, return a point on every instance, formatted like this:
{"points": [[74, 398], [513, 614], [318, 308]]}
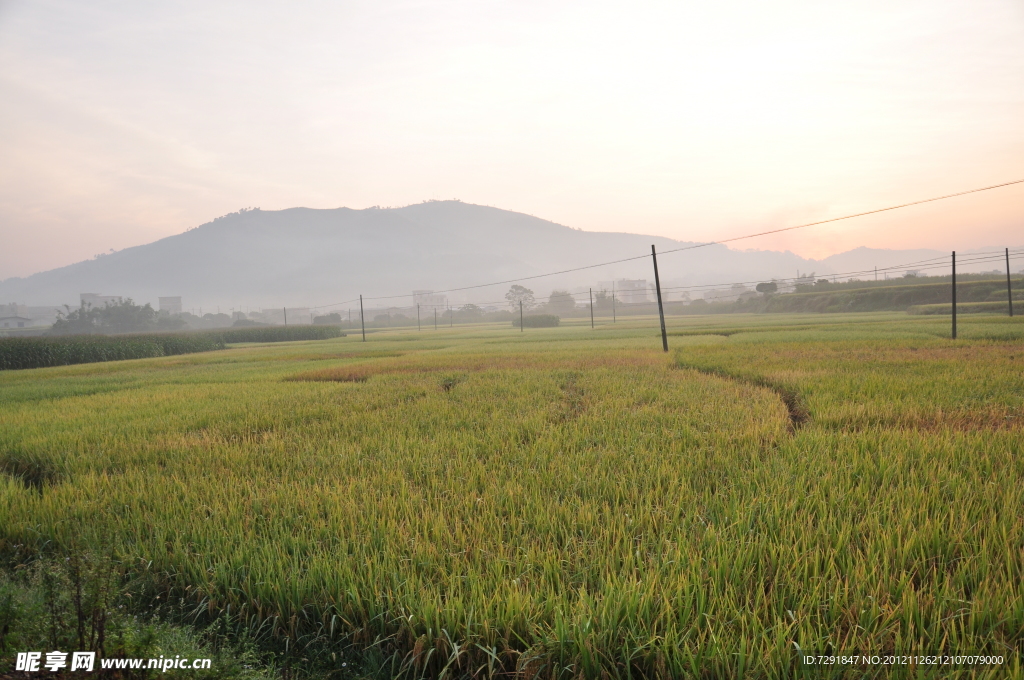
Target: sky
{"points": [[122, 122]]}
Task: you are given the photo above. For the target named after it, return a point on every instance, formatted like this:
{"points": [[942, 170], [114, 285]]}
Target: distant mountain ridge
{"points": [[304, 256]]}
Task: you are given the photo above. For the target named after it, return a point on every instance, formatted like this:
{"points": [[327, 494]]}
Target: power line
{"points": [[921, 264], [699, 245], [850, 217], [927, 264]]}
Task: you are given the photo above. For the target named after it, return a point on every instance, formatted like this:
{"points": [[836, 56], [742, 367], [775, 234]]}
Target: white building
{"points": [[13, 310], [428, 299], [15, 321], [170, 305]]}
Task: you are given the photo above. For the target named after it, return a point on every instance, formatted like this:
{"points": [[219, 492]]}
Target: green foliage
{"points": [[893, 296], [279, 333], [561, 303], [519, 295], [39, 352], [82, 600], [536, 321], [469, 311], [909, 294], [114, 317], [332, 318]]}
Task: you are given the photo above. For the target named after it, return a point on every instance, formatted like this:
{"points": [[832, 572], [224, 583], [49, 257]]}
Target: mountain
{"points": [[303, 256]]}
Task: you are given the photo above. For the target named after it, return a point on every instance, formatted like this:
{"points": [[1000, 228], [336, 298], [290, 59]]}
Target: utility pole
{"points": [[285, 315], [362, 318], [591, 309], [1009, 290], [954, 295], [661, 308], [521, 317], [613, 300], [418, 317], [876, 273], [451, 316], [435, 318]]}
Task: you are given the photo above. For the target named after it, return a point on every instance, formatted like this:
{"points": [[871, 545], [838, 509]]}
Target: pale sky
{"points": [[124, 122]]}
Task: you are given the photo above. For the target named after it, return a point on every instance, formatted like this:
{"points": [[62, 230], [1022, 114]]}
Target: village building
{"points": [[15, 322], [170, 305], [428, 299]]}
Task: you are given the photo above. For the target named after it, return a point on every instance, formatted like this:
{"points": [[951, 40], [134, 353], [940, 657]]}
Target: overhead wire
{"points": [[686, 248]]}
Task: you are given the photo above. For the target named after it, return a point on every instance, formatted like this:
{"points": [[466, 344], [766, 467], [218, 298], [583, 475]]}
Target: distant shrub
{"points": [[537, 321], [333, 317], [248, 323], [39, 352], [280, 333]]}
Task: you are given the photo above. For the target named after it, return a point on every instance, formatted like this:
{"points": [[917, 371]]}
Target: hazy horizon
{"points": [[125, 123], [301, 257]]}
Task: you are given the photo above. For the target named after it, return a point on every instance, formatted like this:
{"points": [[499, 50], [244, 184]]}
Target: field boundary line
{"points": [[796, 406]]}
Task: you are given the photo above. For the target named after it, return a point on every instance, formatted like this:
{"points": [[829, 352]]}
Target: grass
{"points": [[555, 503]]}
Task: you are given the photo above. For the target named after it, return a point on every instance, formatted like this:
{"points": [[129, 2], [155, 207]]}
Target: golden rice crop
{"points": [[571, 503]]}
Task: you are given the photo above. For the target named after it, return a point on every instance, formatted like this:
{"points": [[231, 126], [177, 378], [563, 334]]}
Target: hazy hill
{"points": [[303, 256]]}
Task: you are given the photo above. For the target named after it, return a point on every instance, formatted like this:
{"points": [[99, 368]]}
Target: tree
{"points": [[167, 323], [518, 294], [471, 311], [767, 288], [561, 303], [126, 317], [81, 321], [119, 317], [332, 318], [602, 301]]}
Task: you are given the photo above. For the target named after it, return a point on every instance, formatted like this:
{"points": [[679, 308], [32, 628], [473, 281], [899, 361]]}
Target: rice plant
{"points": [[557, 502]]}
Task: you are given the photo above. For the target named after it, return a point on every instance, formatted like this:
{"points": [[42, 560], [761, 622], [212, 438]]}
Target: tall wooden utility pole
{"points": [[1009, 289], [954, 295], [362, 319], [661, 308], [591, 309]]}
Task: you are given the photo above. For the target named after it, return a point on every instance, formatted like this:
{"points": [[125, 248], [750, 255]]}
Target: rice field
{"points": [[560, 502]]}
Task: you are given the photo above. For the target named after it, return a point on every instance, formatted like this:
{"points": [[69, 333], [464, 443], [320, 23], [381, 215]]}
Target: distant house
{"points": [[14, 321], [428, 299], [170, 305], [94, 300], [13, 309]]}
